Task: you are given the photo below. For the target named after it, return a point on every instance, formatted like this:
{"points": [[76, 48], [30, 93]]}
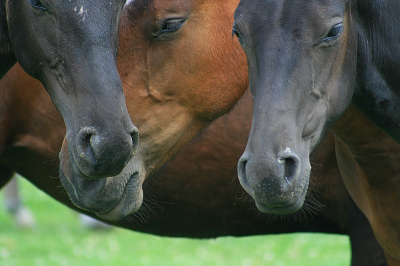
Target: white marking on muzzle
{"points": [[81, 11], [128, 2], [287, 151]]}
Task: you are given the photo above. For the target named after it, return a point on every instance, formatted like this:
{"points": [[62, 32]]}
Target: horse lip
{"points": [[282, 210], [286, 209], [115, 213], [67, 176]]}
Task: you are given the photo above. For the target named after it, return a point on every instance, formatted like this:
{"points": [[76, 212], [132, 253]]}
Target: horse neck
{"points": [[364, 139], [377, 25], [378, 37], [377, 90]]}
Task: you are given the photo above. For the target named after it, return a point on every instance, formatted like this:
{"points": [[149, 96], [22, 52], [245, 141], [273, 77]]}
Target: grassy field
{"points": [[59, 239]]}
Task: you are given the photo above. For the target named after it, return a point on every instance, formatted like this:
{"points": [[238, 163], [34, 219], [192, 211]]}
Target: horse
{"points": [[196, 194], [71, 47], [167, 97], [305, 69], [147, 29]]}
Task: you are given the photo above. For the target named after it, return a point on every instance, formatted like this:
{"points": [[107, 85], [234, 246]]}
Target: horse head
{"points": [[302, 61], [71, 47]]}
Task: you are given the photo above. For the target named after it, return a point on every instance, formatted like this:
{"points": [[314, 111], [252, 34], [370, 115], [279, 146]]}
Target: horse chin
{"points": [[286, 202], [129, 202], [283, 210], [111, 198]]}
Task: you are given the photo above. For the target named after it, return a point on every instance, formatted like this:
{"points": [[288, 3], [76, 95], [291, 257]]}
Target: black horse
{"points": [[308, 60], [71, 47]]}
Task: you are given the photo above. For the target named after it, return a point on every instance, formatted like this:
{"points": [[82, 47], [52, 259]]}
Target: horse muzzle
{"points": [[278, 185], [112, 198]]}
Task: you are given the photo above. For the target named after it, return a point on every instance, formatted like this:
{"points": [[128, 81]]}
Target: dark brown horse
{"points": [[369, 164], [71, 47], [196, 194], [305, 68]]}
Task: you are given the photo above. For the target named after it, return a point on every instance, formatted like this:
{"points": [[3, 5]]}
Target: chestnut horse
{"points": [[304, 69], [196, 194], [71, 47], [164, 96]]}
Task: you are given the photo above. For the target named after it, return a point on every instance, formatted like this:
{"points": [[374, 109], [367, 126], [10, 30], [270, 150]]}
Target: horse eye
{"points": [[236, 32], [37, 5], [334, 32], [170, 26]]}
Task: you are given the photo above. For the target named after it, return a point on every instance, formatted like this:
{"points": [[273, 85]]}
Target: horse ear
{"points": [[7, 57]]}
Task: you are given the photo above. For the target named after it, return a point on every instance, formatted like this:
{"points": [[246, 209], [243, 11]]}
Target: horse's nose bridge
{"points": [[271, 153], [101, 109]]}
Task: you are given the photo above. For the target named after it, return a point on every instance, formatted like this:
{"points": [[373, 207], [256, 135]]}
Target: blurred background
{"points": [[57, 236]]}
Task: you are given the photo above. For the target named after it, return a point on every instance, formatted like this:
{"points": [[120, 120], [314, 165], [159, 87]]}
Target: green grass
{"points": [[59, 239]]}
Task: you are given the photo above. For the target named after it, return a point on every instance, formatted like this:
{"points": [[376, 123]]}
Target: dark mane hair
{"points": [[5, 42]]}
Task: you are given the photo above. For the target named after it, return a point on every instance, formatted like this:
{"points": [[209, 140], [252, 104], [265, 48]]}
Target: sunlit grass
{"points": [[59, 239]]}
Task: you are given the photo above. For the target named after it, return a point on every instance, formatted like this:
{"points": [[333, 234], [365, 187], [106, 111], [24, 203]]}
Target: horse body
{"points": [[305, 68], [71, 47], [368, 161], [194, 195]]}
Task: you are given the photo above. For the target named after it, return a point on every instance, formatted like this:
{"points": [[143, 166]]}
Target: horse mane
{"points": [[5, 42]]}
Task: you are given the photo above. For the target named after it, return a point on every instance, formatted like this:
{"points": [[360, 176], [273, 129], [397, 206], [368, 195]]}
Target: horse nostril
{"points": [[291, 168], [135, 138], [102, 155], [242, 167], [85, 141], [242, 164]]}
